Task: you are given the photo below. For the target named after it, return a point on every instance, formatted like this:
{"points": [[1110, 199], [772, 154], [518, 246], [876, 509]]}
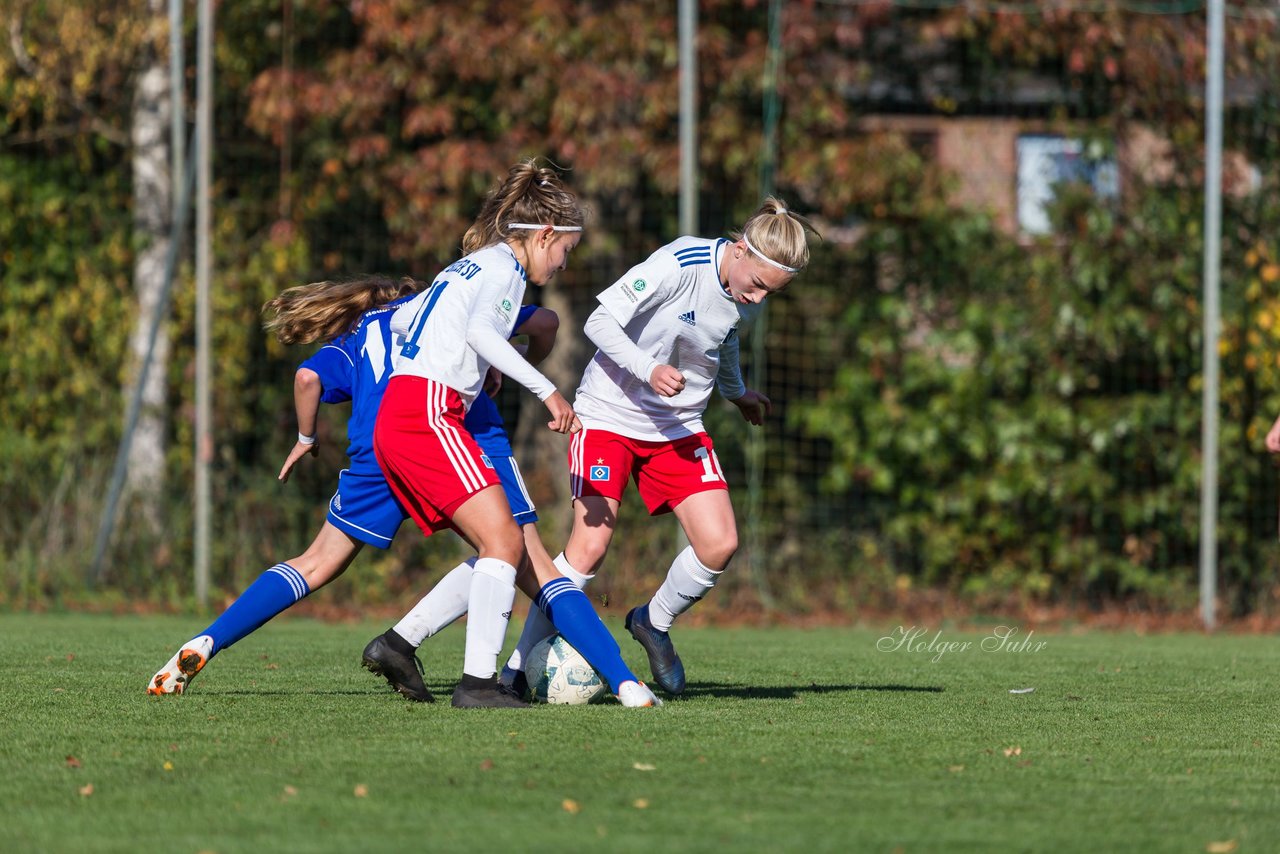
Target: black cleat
{"points": [[516, 681], [668, 671], [476, 693], [403, 672]]}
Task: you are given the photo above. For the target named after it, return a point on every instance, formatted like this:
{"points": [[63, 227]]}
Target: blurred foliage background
{"points": [[982, 393]]}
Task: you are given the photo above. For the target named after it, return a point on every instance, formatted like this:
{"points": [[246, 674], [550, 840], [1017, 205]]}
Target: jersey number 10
{"points": [[711, 470]]}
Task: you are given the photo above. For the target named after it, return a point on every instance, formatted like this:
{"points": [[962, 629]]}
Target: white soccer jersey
{"points": [[473, 300], [673, 307]]}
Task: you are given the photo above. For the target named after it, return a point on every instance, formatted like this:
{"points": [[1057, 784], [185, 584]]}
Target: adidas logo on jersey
{"points": [[688, 318]]}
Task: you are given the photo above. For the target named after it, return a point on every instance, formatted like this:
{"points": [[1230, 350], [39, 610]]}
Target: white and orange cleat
{"points": [[178, 672], [636, 695]]}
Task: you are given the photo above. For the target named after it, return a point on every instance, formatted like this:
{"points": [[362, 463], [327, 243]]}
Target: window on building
{"points": [[1044, 162]]}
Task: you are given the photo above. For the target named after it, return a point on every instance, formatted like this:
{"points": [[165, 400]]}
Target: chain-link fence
{"points": [[987, 382]]}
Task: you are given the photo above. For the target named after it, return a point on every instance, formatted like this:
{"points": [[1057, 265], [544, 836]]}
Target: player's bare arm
{"points": [[306, 401]]}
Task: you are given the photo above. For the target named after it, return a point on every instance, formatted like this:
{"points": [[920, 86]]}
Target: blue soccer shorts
{"points": [[365, 509], [513, 485]]}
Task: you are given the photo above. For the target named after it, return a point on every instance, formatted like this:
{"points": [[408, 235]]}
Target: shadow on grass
{"points": [[784, 692], [694, 689], [281, 692]]}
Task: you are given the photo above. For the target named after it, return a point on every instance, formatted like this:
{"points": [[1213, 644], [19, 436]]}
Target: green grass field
{"points": [[812, 740]]}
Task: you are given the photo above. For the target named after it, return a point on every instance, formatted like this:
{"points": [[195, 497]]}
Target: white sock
{"points": [[537, 627], [687, 582], [493, 591], [446, 602]]}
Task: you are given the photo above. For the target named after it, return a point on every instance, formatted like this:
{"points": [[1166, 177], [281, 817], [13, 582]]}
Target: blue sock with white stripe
{"points": [[571, 612], [274, 591]]}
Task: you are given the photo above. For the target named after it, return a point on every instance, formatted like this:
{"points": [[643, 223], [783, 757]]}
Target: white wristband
{"points": [[305, 440]]}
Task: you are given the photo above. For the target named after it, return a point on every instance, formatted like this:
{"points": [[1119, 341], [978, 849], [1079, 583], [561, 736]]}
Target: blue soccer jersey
{"points": [[356, 367]]}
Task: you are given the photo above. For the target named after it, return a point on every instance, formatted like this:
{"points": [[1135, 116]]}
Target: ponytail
{"points": [[530, 195], [322, 311], [778, 236]]}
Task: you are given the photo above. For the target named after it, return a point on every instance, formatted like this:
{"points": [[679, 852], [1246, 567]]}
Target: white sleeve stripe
{"points": [[345, 354]]}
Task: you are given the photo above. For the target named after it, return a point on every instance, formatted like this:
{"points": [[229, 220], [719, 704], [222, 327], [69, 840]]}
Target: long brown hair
{"points": [[322, 311], [530, 194]]}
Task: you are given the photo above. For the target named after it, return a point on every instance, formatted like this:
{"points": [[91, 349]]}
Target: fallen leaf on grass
{"points": [[361, 791], [71, 656], [290, 791], [1013, 751], [86, 790], [486, 765], [642, 766], [272, 666], [72, 762], [640, 803], [1224, 847], [956, 769], [570, 806]]}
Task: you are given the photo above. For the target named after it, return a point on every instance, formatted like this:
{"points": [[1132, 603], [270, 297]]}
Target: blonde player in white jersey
{"points": [[666, 333], [444, 341]]}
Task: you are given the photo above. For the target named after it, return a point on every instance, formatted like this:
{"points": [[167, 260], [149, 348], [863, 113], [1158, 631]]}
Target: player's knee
{"points": [[510, 547], [503, 542], [585, 554], [716, 555]]}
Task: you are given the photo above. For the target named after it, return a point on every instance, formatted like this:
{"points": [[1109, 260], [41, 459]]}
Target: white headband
{"points": [[765, 258], [533, 226]]}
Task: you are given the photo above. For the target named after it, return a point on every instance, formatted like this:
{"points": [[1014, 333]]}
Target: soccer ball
{"points": [[558, 673]]}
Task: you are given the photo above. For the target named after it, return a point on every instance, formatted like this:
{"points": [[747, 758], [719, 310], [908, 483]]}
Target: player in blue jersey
{"points": [[355, 366], [353, 316]]}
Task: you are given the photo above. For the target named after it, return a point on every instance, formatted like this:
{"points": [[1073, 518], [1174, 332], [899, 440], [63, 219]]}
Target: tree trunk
{"points": [[152, 223]]}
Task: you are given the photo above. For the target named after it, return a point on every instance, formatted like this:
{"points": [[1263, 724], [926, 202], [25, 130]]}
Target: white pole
{"points": [[1212, 312], [688, 37], [177, 88], [687, 24], [204, 438]]}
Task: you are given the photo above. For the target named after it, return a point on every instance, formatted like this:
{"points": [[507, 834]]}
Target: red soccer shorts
{"points": [[431, 462], [666, 472]]}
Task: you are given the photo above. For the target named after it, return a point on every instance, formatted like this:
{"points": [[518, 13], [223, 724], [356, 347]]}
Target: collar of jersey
{"points": [[721, 243], [512, 253]]}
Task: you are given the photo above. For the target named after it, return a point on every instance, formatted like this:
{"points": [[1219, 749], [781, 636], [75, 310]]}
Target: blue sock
{"points": [[274, 591], [569, 609]]}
